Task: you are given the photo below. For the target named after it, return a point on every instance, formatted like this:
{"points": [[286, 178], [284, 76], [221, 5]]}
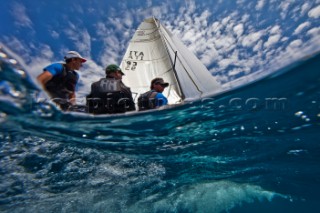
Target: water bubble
{"points": [[13, 61], [3, 55], [296, 128], [2, 116], [21, 72], [297, 152], [298, 114]]}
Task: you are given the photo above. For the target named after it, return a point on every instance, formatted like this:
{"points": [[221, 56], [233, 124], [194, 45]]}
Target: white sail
{"points": [[155, 52]]}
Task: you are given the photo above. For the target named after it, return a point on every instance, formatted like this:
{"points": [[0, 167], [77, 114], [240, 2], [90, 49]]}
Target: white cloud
{"points": [[100, 28], [315, 12], [110, 51], [222, 45], [201, 21], [301, 27], [190, 36], [238, 29], [272, 40], [275, 30], [315, 32], [295, 44], [234, 72], [112, 45], [90, 73], [284, 39], [19, 47], [224, 63], [20, 15], [81, 39], [251, 39], [55, 34], [292, 52], [232, 59], [260, 4], [241, 1], [225, 43], [210, 56], [258, 46], [284, 7], [117, 24], [225, 20], [216, 27], [16, 44], [245, 18], [305, 7], [37, 64], [127, 20], [43, 58]]}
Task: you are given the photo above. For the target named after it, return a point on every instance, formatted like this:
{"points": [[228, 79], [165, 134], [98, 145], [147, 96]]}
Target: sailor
{"points": [[153, 98], [60, 79], [110, 94]]}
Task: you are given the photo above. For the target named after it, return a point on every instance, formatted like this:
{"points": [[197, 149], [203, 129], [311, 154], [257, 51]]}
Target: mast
{"points": [[172, 63]]}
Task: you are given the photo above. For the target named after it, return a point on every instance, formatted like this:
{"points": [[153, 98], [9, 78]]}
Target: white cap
{"points": [[74, 54]]}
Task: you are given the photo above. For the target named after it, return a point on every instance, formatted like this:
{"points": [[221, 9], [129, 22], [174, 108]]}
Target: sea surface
{"points": [[255, 148]]}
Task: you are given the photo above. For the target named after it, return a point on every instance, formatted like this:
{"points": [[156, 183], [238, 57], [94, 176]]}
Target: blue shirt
{"points": [[54, 69], [161, 100]]}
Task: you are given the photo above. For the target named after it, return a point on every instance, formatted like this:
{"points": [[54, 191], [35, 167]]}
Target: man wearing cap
{"points": [[60, 79], [153, 98], [109, 94]]}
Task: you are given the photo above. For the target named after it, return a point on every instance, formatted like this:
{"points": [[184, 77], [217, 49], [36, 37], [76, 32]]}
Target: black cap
{"points": [[159, 81]]}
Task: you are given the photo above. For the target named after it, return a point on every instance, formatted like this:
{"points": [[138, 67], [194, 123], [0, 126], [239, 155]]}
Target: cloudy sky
{"points": [[231, 37]]}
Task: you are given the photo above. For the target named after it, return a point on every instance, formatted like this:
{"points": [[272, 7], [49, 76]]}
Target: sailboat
{"points": [[155, 52]]}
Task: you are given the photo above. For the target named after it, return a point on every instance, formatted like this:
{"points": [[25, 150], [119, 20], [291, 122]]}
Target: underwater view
{"points": [[254, 148], [251, 145]]}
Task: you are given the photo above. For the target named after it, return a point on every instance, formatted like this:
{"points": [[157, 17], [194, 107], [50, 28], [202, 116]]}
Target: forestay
{"points": [[155, 52]]}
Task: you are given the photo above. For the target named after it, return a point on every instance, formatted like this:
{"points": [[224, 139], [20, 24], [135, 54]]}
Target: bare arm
{"points": [[72, 98], [44, 77]]}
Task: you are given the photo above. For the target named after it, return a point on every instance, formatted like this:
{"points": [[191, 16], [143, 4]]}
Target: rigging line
{"points": [[173, 68], [192, 80]]}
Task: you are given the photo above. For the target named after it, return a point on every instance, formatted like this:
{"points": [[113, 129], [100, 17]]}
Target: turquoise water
{"points": [[252, 149]]}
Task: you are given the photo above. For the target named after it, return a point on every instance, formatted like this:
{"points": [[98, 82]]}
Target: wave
{"points": [[254, 143]]}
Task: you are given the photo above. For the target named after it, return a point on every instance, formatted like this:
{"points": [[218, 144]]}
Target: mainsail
{"points": [[155, 52]]}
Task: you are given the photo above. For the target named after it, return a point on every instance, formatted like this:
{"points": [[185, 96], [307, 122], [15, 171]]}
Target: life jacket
{"points": [[107, 97], [147, 100], [62, 85]]}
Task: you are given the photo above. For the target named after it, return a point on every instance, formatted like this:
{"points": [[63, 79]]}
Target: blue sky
{"points": [[232, 38]]}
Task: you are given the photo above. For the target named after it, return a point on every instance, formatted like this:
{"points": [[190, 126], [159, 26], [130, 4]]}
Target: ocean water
{"points": [[253, 149]]}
